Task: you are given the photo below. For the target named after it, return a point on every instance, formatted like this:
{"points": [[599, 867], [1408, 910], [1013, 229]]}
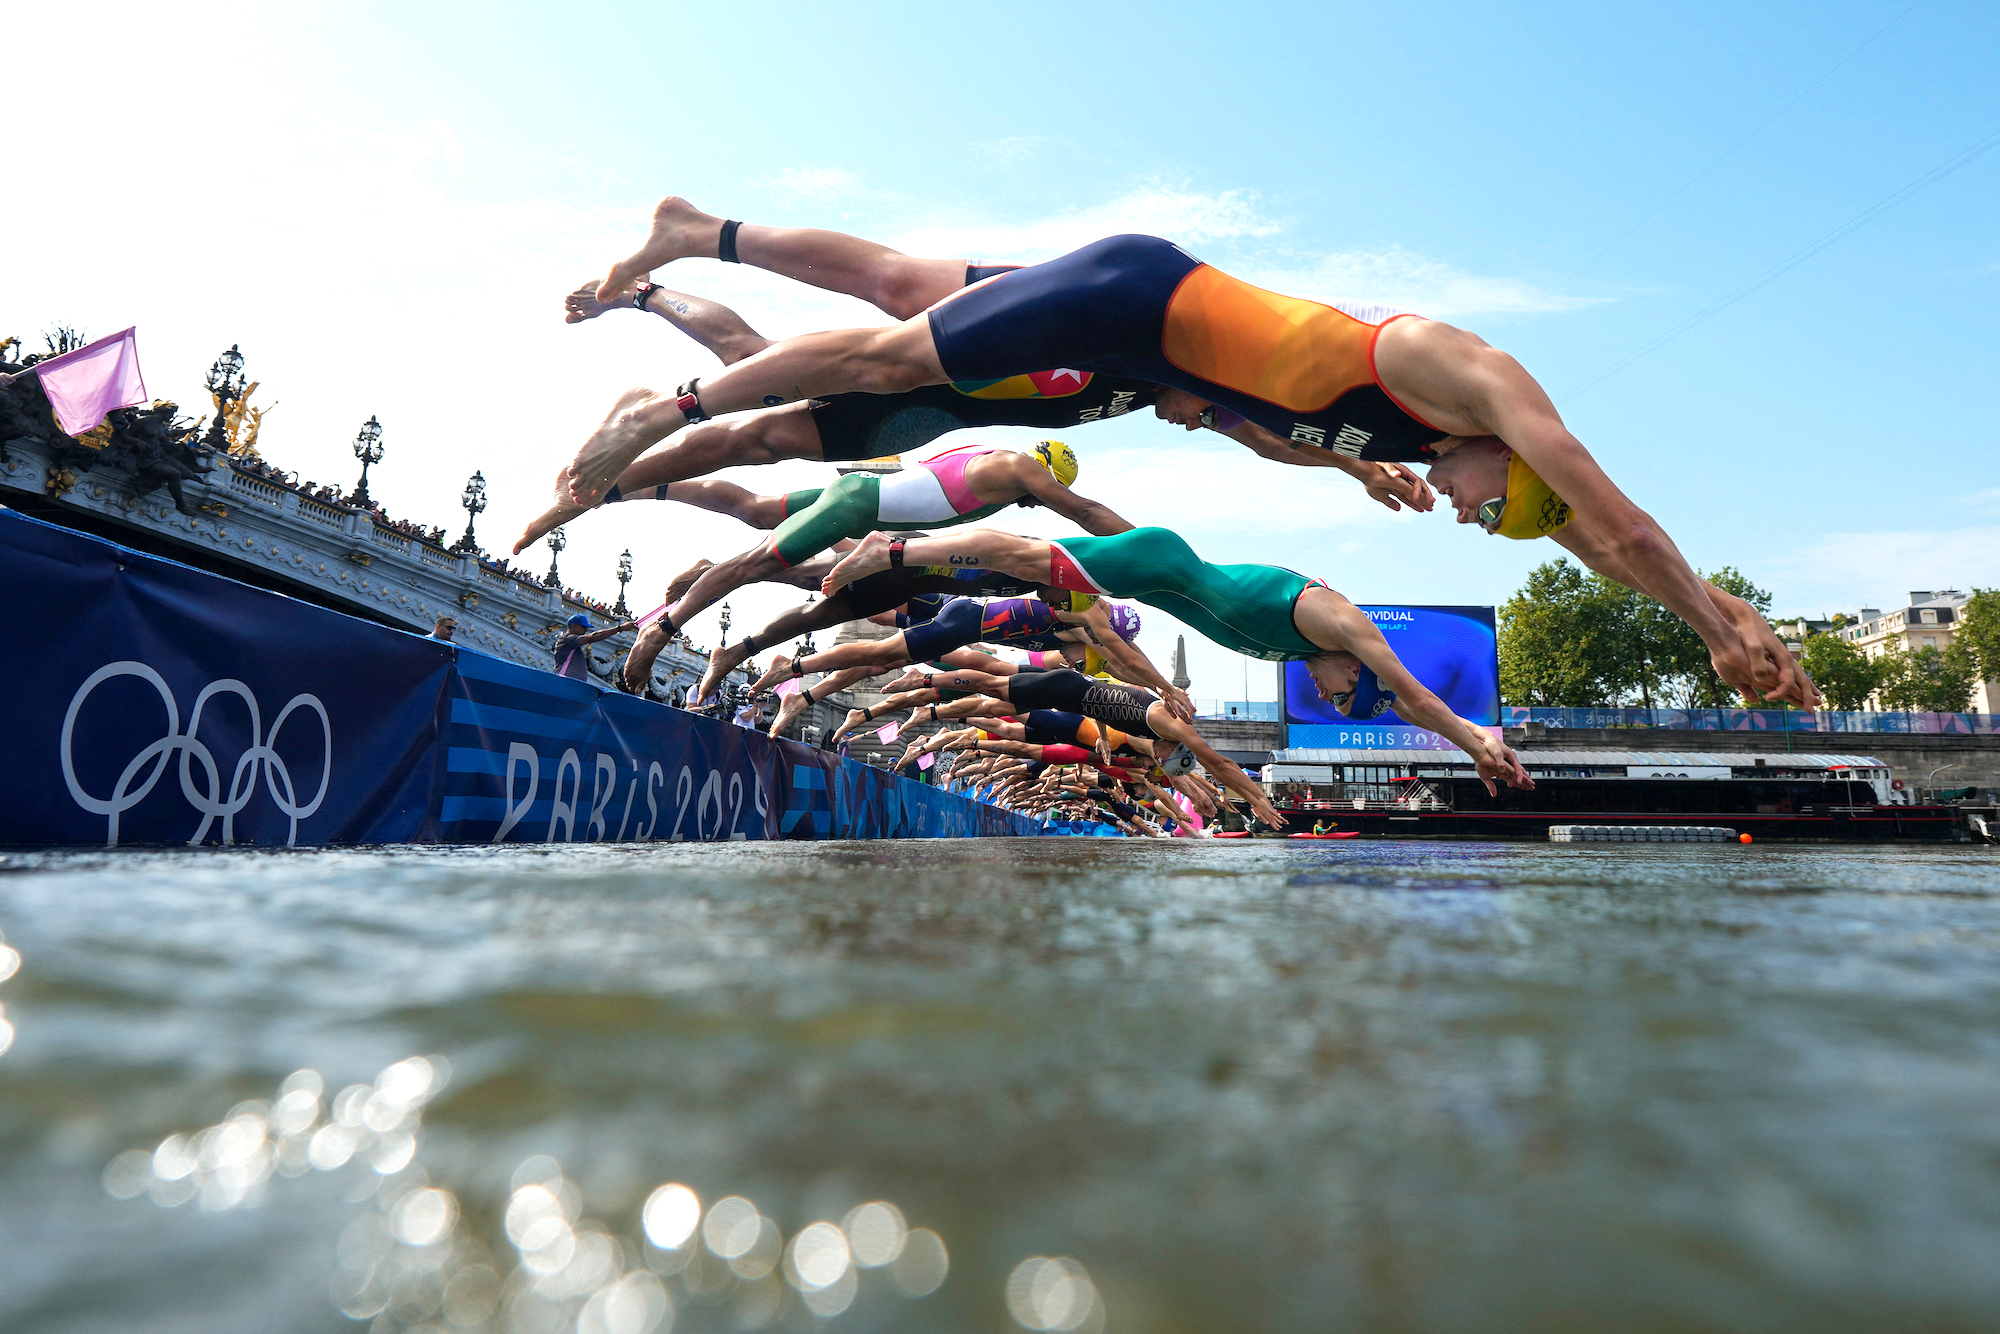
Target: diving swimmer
{"points": [[860, 426], [1369, 382], [1261, 611], [953, 488]]}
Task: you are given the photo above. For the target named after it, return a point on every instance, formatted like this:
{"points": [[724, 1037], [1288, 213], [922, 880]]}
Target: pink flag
{"points": [[926, 760], [790, 686], [85, 384], [889, 732]]}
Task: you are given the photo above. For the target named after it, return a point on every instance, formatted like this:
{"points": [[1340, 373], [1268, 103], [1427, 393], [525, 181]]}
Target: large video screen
{"points": [[1452, 650]]}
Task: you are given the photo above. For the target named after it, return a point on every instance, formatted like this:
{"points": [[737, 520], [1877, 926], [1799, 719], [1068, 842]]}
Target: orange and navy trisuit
{"points": [[1143, 308]]}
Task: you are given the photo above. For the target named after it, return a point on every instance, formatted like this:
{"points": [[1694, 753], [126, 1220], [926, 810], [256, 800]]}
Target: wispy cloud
{"points": [[1015, 148], [1237, 222], [813, 184], [1841, 571], [1400, 277]]}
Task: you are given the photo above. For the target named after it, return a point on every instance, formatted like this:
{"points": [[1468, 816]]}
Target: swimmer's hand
{"points": [[1178, 703], [1498, 762], [1394, 485]]}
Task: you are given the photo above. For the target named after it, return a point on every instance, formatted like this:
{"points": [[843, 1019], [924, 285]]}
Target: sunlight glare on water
{"points": [[1054, 1086]]}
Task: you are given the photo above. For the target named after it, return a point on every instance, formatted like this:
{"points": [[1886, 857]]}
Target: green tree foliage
{"points": [[1928, 681], [1845, 675], [1577, 639], [1979, 631], [1556, 639]]}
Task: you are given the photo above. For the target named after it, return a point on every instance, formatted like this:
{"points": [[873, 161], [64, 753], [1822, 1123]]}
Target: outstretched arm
{"points": [[1087, 514], [1586, 542], [1225, 770], [1334, 617], [1609, 531], [1128, 662], [1390, 484]]}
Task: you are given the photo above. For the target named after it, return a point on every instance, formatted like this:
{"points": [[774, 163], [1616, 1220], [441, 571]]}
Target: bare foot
{"points": [[872, 555], [550, 519], [781, 669], [582, 304], [909, 680], [622, 436], [789, 710], [651, 643], [683, 581], [855, 717], [680, 230]]}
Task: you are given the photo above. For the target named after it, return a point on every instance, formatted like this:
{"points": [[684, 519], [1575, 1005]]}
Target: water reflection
{"points": [[10, 963], [415, 1257]]}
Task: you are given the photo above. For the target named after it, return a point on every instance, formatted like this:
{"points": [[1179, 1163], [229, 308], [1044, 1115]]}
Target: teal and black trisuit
{"points": [[1247, 608]]}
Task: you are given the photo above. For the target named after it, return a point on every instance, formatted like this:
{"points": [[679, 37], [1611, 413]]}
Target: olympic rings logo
{"points": [[260, 756]]}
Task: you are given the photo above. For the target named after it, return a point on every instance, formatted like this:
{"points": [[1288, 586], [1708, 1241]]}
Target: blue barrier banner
{"points": [[534, 757], [149, 702]]}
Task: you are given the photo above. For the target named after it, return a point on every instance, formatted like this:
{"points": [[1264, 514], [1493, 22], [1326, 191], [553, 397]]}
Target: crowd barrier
{"points": [[1757, 720], [150, 702]]}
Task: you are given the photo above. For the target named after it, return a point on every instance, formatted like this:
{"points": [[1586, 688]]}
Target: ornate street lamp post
{"points": [[724, 618], [806, 649], [225, 381], [624, 578], [557, 540], [474, 500], [367, 448]]}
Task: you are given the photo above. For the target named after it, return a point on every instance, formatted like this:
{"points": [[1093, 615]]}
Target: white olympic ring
{"points": [[242, 783]]}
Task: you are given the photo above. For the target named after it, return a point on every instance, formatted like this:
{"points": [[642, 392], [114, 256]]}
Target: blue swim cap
{"points": [[578, 622], [1368, 699]]}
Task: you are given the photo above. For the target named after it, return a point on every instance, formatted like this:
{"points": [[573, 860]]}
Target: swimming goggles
{"points": [[1491, 513]]}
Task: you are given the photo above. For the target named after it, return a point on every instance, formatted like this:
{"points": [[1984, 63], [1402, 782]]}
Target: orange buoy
{"points": [[1743, 838]]}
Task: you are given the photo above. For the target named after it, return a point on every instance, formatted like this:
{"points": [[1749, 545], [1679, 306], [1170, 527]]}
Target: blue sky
{"points": [[384, 204]]}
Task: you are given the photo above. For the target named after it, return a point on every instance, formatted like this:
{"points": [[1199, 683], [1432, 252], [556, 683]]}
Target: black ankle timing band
{"points": [[687, 399], [750, 644], [725, 245]]}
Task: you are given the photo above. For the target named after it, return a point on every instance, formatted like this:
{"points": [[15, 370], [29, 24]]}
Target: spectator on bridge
{"points": [[571, 660], [445, 628]]}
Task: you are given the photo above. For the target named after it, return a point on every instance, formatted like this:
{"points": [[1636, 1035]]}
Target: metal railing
{"points": [[1253, 711], [1756, 720]]}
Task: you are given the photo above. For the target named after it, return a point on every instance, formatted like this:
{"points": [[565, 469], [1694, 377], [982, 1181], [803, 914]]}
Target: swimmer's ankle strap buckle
{"points": [[896, 545], [687, 399], [644, 294]]}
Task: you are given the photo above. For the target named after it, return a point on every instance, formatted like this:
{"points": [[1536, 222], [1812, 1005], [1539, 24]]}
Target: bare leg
{"points": [[878, 655], [749, 439], [715, 326], [900, 284], [972, 549], [894, 360], [738, 502], [711, 585]]}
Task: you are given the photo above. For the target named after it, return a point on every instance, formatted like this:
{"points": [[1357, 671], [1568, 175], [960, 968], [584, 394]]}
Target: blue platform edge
{"points": [[149, 702]]}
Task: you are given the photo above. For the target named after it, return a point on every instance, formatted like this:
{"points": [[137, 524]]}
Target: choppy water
{"points": [[1369, 1087]]}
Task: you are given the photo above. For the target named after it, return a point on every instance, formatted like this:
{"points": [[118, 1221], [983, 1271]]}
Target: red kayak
{"points": [[1241, 833], [1350, 834]]}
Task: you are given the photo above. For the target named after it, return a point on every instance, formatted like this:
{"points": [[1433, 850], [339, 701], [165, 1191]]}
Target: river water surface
{"points": [[1066, 1084]]}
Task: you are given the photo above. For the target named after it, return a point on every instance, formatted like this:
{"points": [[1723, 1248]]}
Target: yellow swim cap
{"points": [[1059, 459], [1530, 510], [1080, 602]]}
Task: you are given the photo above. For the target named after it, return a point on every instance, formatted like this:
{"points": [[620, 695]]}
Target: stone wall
{"points": [[1912, 757]]}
